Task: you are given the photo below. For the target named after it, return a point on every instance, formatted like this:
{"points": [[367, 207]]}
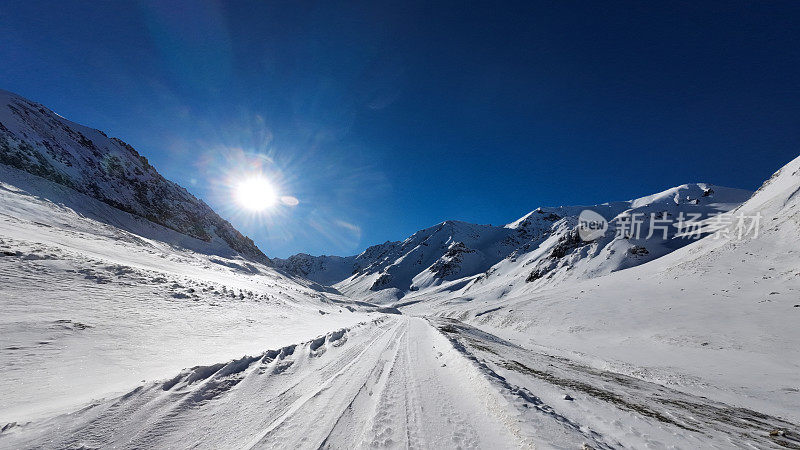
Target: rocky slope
{"points": [[37, 140]]}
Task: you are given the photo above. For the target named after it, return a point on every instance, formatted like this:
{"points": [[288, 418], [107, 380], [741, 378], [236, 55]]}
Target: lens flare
{"points": [[256, 193]]}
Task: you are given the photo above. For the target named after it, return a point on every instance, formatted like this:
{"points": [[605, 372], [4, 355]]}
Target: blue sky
{"points": [[384, 118]]}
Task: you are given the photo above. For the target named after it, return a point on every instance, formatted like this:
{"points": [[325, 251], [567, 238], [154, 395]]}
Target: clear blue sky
{"points": [[386, 118]]}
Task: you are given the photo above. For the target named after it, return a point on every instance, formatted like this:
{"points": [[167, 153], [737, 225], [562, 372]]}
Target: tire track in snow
{"points": [[629, 411], [393, 382], [342, 434]]}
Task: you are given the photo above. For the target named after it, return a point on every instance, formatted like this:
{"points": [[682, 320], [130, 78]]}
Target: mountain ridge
{"points": [[546, 239], [39, 141]]}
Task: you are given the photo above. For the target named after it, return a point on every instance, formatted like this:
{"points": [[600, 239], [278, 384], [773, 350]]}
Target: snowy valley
{"points": [[136, 317], [542, 248]]}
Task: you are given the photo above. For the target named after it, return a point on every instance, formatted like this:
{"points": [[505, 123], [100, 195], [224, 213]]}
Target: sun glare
{"points": [[256, 193]]}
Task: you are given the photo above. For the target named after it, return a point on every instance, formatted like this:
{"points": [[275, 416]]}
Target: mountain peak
{"points": [[545, 242]]}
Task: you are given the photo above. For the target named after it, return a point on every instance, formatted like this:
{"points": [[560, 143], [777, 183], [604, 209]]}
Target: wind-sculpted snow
{"points": [[542, 248], [404, 382], [390, 382], [89, 309], [39, 141]]}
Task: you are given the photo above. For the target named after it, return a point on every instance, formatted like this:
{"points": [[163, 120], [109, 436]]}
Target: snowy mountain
{"points": [[716, 318], [130, 336], [37, 140], [695, 349], [90, 308], [542, 247], [124, 327], [324, 269]]}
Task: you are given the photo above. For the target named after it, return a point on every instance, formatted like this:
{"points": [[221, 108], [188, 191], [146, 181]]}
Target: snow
{"points": [[39, 141], [393, 382], [715, 318], [101, 323], [90, 309], [455, 254], [119, 332]]}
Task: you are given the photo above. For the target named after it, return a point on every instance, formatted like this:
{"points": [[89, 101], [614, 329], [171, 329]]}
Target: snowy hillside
{"points": [[127, 326], [543, 247], [90, 309], [326, 270], [113, 339], [39, 141], [717, 318]]}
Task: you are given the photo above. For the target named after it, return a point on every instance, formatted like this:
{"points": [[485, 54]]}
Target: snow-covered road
{"points": [[403, 382], [396, 381], [400, 384], [612, 410]]}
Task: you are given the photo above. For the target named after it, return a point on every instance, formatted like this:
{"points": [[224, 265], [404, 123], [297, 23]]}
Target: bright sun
{"points": [[256, 193]]}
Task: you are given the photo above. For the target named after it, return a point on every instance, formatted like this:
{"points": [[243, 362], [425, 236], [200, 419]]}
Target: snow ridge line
{"points": [[297, 404], [219, 370], [187, 390]]}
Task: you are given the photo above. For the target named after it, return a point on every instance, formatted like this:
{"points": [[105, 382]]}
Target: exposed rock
{"points": [[36, 140]]}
